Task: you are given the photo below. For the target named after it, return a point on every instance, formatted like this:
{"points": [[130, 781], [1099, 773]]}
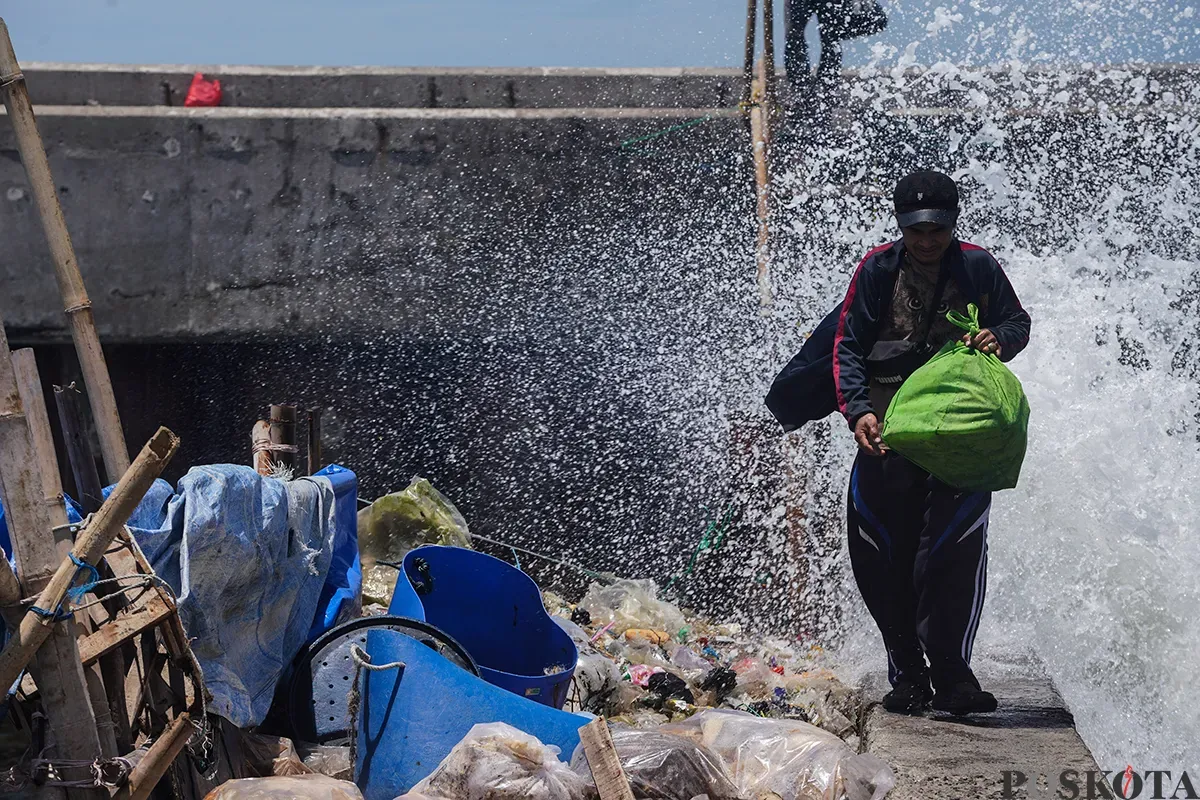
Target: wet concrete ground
{"points": [[942, 757]]}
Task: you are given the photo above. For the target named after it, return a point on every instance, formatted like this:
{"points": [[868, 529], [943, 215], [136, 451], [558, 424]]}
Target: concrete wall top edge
{"points": [[665, 72], [333, 72], [546, 114], [317, 87], [114, 85], [227, 112]]}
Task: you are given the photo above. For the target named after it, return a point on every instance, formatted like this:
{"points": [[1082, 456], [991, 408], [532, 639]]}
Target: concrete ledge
{"points": [[359, 87], [941, 757], [1052, 87], [432, 114]]}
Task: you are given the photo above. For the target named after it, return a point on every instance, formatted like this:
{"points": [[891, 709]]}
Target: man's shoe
{"points": [[907, 698], [965, 698]]}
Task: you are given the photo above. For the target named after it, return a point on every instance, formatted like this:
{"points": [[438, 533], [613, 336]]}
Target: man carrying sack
{"points": [[918, 545]]}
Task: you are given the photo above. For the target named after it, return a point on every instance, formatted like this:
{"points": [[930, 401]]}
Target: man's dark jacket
{"points": [[830, 372]]}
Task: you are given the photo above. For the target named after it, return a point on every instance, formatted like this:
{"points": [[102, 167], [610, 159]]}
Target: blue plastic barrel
{"points": [[495, 611], [343, 584]]}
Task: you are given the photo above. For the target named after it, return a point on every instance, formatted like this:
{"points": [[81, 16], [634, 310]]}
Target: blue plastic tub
{"points": [[405, 602], [412, 717], [495, 611]]}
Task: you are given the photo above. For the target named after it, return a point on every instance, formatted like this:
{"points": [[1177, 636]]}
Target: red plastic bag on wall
{"points": [[203, 92]]}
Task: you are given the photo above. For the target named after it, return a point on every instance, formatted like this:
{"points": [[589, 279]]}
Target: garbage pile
{"points": [[694, 707], [718, 754], [645, 662]]}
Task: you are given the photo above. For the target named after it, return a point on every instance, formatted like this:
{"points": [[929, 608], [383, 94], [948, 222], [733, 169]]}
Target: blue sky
{"points": [[620, 33]]}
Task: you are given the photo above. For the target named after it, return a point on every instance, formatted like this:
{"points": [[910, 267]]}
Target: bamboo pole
{"points": [[77, 304], [29, 384], [90, 545], [751, 39], [56, 668], [769, 58], [759, 100], [760, 131], [158, 759]]}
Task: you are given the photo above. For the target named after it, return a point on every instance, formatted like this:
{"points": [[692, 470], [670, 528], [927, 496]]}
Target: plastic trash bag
{"points": [[661, 766], [597, 679], [685, 658], [784, 757], [495, 761], [578, 635], [830, 704], [203, 92], [756, 679], [327, 759], [962, 417], [298, 787], [399, 522], [631, 604], [268, 756]]}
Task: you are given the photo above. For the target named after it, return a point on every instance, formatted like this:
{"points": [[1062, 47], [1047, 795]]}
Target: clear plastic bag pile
{"points": [[297, 787], [724, 755], [662, 766], [785, 758], [496, 761], [632, 604]]}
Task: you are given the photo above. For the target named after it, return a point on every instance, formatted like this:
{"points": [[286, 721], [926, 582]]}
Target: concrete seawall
{"points": [[484, 274], [230, 222], [274, 214]]}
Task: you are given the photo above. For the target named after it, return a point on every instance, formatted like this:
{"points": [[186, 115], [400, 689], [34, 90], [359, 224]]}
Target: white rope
{"points": [[362, 660], [269, 447]]}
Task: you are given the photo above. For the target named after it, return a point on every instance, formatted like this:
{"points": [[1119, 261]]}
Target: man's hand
{"points": [[985, 342], [866, 433]]}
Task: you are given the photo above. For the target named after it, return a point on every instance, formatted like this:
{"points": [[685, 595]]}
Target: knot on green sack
{"points": [[970, 323]]}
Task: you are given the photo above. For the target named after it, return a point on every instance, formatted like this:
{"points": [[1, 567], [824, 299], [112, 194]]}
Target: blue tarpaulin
{"points": [[249, 558]]}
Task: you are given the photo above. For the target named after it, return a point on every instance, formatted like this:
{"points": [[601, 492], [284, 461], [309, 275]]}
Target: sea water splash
{"points": [[1086, 185], [588, 372]]}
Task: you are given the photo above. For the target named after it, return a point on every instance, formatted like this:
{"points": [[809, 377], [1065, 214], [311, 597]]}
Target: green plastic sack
{"points": [[962, 417]]}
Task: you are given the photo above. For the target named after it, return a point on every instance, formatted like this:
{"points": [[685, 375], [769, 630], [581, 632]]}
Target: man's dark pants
{"points": [[919, 552]]}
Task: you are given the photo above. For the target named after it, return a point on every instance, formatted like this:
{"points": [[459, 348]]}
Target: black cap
{"points": [[926, 197]]}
